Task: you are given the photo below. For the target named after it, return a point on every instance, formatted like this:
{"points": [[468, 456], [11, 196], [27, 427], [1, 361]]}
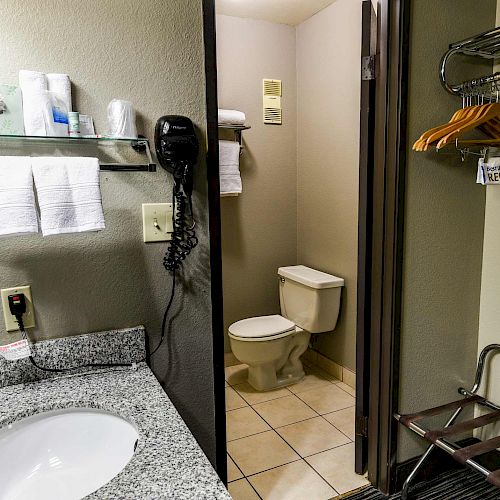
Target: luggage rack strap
{"points": [[406, 420], [494, 478], [464, 454], [467, 425]]}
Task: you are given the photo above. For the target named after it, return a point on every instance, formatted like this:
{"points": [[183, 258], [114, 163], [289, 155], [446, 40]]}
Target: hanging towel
{"points": [[231, 117], [61, 85], [69, 195], [34, 88], [17, 199], [488, 172], [229, 168]]}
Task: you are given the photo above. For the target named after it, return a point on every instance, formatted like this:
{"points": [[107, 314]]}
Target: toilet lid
{"points": [[262, 326]]}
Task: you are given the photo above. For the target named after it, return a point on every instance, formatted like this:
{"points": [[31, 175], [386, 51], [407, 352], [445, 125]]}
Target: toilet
{"points": [[271, 346]]}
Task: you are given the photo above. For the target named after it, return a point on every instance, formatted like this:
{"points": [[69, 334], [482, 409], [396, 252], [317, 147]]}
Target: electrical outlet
{"points": [[157, 222], [29, 315]]}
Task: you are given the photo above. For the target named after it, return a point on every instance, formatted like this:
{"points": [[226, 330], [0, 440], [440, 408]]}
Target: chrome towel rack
{"points": [[237, 129], [485, 45]]}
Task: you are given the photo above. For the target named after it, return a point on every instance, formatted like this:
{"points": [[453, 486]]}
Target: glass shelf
{"points": [[140, 146]]}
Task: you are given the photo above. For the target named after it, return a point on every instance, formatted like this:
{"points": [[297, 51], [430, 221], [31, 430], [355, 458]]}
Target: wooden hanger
{"points": [[489, 112], [422, 140]]}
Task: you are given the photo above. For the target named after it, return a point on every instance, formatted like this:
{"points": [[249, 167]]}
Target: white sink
{"points": [[63, 455]]}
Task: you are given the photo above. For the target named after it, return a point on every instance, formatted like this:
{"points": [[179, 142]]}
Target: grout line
{"points": [[333, 425], [275, 467], [244, 437], [236, 465], [318, 452], [322, 477], [346, 391]]}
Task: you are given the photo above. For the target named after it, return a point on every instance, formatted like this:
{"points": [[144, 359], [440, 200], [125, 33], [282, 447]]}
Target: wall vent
{"points": [[272, 92]]}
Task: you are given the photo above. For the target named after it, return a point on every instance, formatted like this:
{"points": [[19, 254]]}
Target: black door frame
{"points": [[210, 45], [388, 194], [385, 214], [366, 159]]}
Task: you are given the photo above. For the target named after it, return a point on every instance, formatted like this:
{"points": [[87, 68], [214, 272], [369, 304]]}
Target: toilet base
{"points": [[254, 379], [280, 368]]}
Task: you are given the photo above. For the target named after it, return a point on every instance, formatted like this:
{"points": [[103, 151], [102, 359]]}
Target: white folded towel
{"points": [[34, 88], [61, 85], [69, 195], [231, 117], [17, 199], [229, 168]]}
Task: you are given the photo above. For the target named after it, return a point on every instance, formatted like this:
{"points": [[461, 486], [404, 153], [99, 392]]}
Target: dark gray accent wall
{"points": [[152, 54], [444, 222]]}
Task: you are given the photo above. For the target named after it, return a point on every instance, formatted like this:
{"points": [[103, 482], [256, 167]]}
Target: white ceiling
{"points": [[291, 12]]}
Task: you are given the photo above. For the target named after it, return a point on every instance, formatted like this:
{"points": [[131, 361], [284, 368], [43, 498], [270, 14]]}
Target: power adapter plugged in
{"points": [[17, 307]]}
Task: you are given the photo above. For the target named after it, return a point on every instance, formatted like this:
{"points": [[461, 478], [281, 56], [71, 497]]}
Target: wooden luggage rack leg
{"points": [[471, 397]]}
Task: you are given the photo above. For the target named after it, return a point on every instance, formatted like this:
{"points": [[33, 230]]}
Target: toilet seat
{"points": [[262, 328]]}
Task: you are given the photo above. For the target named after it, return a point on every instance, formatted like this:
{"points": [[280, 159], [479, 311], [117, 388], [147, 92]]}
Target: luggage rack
{"points": [[438, 437]]}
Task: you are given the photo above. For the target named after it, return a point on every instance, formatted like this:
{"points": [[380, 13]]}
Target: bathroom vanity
{"points": [[167, 461]]}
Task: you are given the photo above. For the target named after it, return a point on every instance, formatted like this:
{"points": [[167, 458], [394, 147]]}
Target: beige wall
{"points": [[152, 54], [444, 220], [328, 69], [259, 228]]}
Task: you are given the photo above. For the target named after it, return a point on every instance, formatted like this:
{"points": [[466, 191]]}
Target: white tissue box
{"points": [[11, 119]]}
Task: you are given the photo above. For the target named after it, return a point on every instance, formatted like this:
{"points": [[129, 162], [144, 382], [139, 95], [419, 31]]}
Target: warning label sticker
{"points": [[16, 350]]}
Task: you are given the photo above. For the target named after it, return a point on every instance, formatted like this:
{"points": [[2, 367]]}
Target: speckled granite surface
{"points": [[168, 463], [113, 346]]}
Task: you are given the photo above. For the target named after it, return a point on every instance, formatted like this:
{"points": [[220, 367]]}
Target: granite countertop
{"points": [[168, 462]]}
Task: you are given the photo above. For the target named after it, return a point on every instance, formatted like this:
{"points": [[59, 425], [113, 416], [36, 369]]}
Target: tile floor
{"points": [[291, 443]]}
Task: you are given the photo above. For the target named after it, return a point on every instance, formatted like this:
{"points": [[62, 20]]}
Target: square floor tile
{"points": [[314, 378], [234, 400], [312, 436], [244, 422], [295, 481], [347, 388], [343, 420], [327, 399], [253, 396], [233, 473], [241, 490], [260, 452], [284, 411], [337, 467], [236, 374]]}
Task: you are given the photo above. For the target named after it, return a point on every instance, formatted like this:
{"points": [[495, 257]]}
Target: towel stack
{"points": [[46, 102], [229, 168], [68, 191], [229, 155], [231, 117]]}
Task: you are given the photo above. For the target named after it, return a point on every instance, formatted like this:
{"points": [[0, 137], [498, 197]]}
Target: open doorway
{"points": [[290, 81]]}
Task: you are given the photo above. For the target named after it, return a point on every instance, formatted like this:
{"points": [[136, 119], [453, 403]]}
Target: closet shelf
{"points": [[485, 45], [101, 147]]}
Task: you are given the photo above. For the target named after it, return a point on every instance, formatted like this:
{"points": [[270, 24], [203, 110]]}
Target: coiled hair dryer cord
{"points": [[183, 237]]}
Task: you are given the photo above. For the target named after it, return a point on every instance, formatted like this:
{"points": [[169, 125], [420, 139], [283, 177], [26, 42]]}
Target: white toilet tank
{"points": [[310, 298]]}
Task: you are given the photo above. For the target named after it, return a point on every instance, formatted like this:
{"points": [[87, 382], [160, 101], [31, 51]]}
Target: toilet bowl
{"points": [[271, 346]]}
